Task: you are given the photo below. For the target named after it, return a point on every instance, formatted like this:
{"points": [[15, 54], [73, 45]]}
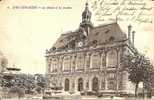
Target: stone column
{"points": [[100, 83], [62, 66], [50, 67], [71, 58], [103, 57], [90, 84], [84, 62], [58, 64], [63, 84], [87, 83], [117, 70], [90, 66], [84, 83], [105, 68], [69, 69], [75, 57], [76, 84], [72, 84], [73, 63], [100, 60], [118, 57], [47, 65], [105, 79]]}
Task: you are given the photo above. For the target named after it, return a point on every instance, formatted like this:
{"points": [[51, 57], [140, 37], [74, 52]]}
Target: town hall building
{"points": [[89, 59]]}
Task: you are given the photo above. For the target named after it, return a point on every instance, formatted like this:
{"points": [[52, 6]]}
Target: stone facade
{"points": [[90, 58]]}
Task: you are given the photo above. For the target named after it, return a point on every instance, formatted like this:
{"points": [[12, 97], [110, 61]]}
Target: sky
{"points": [[25, 34]]}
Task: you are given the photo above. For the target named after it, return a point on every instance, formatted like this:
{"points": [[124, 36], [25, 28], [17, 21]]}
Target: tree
{"points": [[148, 78], [139, 68], [41, 82]]}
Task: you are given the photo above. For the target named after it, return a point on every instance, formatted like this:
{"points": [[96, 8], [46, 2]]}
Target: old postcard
{"points": [[77, 49]]}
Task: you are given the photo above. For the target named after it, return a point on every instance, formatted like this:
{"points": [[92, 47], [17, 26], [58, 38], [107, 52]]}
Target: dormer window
{"points": [[96, 33], [107, 31], [94, 42], [111, 38], [53, 48], [61, 40]]}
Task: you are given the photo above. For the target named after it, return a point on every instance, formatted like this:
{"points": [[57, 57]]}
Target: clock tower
{"points": [[86, 20]]}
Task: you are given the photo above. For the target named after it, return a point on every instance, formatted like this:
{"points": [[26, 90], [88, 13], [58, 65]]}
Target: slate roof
{"points": [[100, 34], [106, 33]]}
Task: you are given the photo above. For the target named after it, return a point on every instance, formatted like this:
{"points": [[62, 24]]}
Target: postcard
{"points": [[80, 48]]}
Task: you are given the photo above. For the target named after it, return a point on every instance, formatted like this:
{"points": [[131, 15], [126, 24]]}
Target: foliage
{"points": [[41, 80], [140, 70], [17, 90], [25, 81]]}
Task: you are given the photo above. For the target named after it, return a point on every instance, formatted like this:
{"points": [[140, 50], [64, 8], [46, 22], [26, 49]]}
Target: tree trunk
{"points": [[136, 88]]}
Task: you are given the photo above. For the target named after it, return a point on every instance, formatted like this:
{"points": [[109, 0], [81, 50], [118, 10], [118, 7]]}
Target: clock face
{"points": [[80, 44]]}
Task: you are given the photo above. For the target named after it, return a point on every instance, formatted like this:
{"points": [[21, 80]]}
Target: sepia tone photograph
{"points": [[76, 50]]}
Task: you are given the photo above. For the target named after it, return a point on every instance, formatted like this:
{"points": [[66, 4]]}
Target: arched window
{"points": [[95, 84], [66, 84], [80, 84], [80, 62], [111, 59], [66, 63], [95, 60]]}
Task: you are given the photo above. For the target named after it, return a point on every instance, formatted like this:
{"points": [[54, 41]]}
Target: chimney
{"points": [[129, 32], [133, 36]]}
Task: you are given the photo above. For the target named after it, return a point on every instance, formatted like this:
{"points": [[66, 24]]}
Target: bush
{"points": [[16, 90]]}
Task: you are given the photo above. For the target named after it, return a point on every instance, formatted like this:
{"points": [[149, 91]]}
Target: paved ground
{"points": [[115, 98], [84, 98]]}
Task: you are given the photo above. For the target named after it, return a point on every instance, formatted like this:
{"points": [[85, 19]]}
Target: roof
{"points": [[100, 34], [106, 33], [63, 40]]}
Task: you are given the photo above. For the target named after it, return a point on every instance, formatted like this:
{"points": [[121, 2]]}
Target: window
{"points": [[80, 62], [66, 63], [53, 48], [96, 33], [107, 31], [111, 38], [54, 65], [111, 58], [94, 42], [61, 40], [95, 60], [111, 85], [111, 80]]}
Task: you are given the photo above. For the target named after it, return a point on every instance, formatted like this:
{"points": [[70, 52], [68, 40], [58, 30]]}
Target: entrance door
{"points": [[66, 84], [95, 85], [80, 84]]}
